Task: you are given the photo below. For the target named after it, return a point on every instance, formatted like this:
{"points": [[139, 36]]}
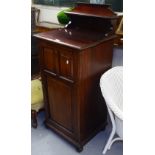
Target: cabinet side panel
{"points": [[93, 112]]}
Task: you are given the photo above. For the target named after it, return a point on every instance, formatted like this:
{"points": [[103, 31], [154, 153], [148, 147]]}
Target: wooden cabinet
{"points": [[72, 62]]}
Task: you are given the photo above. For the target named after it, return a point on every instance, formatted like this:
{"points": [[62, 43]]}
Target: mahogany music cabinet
{"points": [[72, 61]]}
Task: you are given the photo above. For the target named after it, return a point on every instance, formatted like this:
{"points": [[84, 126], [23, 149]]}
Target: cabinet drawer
{"points": [[66, 64], [58, 61], [50, 58]]}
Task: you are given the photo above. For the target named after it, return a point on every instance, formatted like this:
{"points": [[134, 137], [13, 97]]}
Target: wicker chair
{"points": [[111, 84]]}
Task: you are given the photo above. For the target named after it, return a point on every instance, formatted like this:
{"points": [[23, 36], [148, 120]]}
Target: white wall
{"points": [[48, 13]]}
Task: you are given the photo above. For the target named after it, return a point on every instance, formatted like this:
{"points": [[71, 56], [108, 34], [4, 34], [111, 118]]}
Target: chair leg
{"points": [[112, 132], [34, 122], [114, 140]]}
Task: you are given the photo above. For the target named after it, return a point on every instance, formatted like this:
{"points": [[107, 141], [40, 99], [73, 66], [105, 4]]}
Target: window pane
{"points": [[117, 5], [59, 2]]}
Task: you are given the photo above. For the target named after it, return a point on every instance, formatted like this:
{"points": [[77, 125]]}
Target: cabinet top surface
{"points": [[75, 38], [90, 24]]}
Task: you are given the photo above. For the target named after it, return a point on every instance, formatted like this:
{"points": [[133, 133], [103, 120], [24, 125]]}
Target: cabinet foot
{"points": [[79, 149]]}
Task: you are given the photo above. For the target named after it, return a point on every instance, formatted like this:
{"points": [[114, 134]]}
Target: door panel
{"points": [[66, 64], [60, 102], [50, 60]]}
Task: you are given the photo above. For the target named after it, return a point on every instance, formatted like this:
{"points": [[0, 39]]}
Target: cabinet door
{"points": [[50, 59], [66, 64], [60, 103]]}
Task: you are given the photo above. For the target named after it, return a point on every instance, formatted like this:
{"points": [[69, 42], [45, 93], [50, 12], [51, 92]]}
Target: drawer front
{"points": [[50, 58], [66, 64], [59, 62]]}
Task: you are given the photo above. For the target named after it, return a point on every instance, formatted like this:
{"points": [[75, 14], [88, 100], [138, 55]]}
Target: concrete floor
{"points": [[117, 57], [46, 142]]}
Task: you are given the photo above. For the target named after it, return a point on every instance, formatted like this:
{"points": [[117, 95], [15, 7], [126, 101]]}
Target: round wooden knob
{"points": [[67, 62]]}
